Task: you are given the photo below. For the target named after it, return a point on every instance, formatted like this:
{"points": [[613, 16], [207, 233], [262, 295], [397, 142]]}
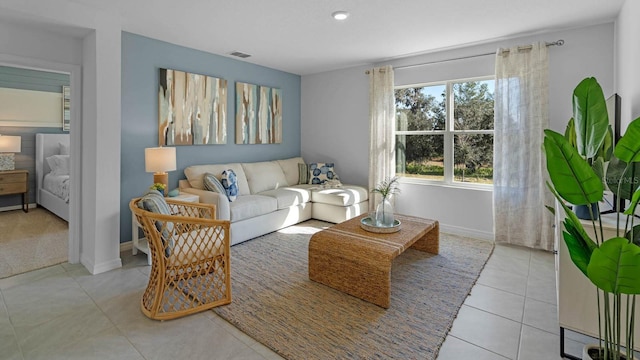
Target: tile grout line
{"points": [[124, 335]]}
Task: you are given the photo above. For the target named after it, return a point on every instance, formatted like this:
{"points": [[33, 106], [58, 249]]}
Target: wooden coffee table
{"points": [[358, 262]]}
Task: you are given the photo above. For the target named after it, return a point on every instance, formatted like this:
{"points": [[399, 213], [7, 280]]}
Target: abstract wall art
{"points": [[192, 109], [258, 114]]}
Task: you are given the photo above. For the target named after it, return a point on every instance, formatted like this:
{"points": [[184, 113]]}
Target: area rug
{"points": [[274, 302], [30, 241]]}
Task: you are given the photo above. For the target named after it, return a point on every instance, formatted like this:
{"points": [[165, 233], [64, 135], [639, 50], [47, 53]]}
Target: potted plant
{"points": [[159, 187], [384, 209], [612, 265]]}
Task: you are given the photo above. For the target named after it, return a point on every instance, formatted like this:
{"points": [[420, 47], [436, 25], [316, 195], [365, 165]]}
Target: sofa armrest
{"points": [[223, 212]]}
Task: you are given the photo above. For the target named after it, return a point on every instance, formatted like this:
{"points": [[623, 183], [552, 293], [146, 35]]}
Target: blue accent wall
{"points": [[141, 60]]}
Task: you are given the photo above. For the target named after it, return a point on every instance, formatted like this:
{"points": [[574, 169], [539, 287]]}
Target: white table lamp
{"points": [[8, 146], [159, 160]]}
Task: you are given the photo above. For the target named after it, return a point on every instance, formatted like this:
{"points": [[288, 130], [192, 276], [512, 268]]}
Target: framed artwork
{"points": [[192, 109], [258, 114], [66, 108]]}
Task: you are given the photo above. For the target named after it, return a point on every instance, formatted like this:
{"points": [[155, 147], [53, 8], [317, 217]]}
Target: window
{"points": [[444, 131]]}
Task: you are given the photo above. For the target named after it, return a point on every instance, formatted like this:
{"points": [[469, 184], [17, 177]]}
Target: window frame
{"points": [[449, 132]]}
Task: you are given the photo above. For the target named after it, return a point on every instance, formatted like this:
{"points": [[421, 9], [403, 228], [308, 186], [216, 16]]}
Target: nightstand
{"points": [[16, 182], [141, 244]]}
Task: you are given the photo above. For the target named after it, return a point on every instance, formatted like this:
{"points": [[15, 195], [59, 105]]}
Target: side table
{"points": [[16, 182], [141, 243]]}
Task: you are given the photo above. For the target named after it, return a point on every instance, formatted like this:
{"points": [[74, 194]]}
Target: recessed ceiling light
{"points": [[340, 15]]}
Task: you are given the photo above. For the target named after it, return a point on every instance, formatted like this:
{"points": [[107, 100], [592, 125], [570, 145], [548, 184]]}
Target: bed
{"points": [[52, 184]]}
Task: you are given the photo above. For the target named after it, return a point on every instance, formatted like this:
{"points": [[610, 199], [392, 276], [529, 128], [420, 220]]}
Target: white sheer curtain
{"points": [[382, 113], [521, 115]]}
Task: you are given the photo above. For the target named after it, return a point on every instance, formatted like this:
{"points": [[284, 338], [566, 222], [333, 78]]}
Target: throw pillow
{"points": [[230, 183], [303, 174], [64, 148], [320, 172], [212, 183], [59, 164], [154, 202]]}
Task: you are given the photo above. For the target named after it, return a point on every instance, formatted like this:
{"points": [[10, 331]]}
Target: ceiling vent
{"points": [[239, 54]]}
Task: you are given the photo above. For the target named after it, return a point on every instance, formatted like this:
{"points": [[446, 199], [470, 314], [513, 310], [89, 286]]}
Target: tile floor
{"points": [[63, 312]]}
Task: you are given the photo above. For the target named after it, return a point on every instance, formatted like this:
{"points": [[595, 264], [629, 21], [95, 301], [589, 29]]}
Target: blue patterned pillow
{"points": [[230, 183], [321, 172], [154, 201], [212, 183]]}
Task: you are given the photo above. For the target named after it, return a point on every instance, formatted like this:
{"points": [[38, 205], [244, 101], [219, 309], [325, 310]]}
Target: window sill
{"points": [[457, 185]]}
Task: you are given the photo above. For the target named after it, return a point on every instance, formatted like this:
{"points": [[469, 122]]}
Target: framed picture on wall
{"points": [[258, 114], [66, 108], [192, 109]]}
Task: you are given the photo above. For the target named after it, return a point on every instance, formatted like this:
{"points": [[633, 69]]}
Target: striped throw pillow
{"points": [[212, 183], [303, 173]]}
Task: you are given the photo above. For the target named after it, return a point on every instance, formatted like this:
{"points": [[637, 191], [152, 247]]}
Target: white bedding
{"points": [[57, 185]]}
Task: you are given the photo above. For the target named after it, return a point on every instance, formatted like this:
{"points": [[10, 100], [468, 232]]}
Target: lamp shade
{"points": [[160, 159], [10, 144]]}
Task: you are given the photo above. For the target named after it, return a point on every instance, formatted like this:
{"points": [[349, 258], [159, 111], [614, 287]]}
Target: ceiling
{"points": [[301, 37]]}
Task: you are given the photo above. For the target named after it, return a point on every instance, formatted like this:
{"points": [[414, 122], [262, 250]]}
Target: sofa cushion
{"points": [[320, 172], [342, 196], [195, 175], [289, 196], [262, 176], [249, 206], [290, 169], [230, 183]]}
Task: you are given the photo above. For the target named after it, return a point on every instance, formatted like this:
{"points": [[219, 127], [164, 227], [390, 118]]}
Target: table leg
{"points": [[430, 242]]}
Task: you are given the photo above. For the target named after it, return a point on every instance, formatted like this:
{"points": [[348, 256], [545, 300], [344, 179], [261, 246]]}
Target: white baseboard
{"points": [[456, 230], [126, 246], [18, 207]]}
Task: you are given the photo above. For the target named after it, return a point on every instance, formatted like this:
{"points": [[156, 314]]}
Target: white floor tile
{"points": [[488, 331], [504, 280], [455, 349], [536, 344], [496, 302], [541, 315]]}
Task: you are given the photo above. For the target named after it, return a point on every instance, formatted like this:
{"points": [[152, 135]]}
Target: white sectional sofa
{"points": [[270, 198]]}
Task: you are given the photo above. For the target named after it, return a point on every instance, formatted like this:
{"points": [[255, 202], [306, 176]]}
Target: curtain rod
{"points": [[528, 47]]}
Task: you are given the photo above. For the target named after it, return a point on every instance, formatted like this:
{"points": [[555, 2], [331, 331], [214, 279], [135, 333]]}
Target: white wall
{"points": [[335, 115], [628, 60], [69, 32]]}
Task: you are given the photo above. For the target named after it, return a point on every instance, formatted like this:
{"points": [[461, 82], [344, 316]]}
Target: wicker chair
{"points": [[190, 269]]}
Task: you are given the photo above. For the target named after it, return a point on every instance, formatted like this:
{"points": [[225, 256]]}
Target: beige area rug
{"points": [[30, 241], [274, 302]]}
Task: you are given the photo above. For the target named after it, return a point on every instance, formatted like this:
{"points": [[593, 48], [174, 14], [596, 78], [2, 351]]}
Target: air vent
{"points": [[239, 54]]}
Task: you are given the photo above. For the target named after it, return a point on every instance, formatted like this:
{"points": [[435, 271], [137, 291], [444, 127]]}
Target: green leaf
{"points": [[576, 225], [634, 203], [551, 209], [636, 235], [572, 177], [578, 250], [591, 117], [606, 150], [570, 132], [621, 179], [615, 267], [598, 168], [628, 147]]}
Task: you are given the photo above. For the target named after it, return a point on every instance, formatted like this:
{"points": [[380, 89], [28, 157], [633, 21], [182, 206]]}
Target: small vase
{"points": [[582, 211], [384, 213]]}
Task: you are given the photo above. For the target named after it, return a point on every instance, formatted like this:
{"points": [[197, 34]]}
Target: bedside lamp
{"points": [[159, 160], [8, 145]]}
